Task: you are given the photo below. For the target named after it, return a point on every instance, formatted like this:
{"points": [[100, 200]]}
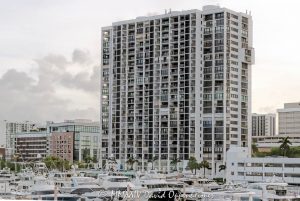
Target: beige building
{"points": [[29, 146], [289, 119], [263, 124], [266, 143]]}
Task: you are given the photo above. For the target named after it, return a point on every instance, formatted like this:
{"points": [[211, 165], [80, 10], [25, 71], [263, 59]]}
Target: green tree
{"points": [[152, 160], [193, 164], [54, 162], [13, 166], [94, 159], [254, 149], [284, 145], [2, 164], [86, 156], [174, 162], [222, 167], [50, 162], [131, 161], [205, 165]]}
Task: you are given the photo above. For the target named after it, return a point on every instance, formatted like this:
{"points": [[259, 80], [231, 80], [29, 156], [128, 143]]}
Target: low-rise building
{"points": [[289, 119], [263, 124], [11, 128], [30, 146], [72, 139], [240, 167], [62, 145], [266, 143]]}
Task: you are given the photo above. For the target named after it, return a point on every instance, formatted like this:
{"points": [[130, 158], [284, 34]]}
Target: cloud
{"points": [[81, 57], [62, 89]]}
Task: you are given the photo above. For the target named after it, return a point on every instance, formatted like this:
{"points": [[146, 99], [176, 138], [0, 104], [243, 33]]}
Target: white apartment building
{"points": [[11, 128], [240, 167], [176, 85], [263, 124], [289, 119]]}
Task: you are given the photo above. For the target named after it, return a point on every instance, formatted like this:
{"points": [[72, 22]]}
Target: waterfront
{"points": [[90, 184]]}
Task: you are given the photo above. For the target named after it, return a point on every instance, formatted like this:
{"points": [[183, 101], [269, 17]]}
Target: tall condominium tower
{"points": [[176, 85]]}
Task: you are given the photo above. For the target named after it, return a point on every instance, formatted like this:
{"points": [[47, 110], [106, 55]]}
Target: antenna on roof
{"points": [[166, 11]]}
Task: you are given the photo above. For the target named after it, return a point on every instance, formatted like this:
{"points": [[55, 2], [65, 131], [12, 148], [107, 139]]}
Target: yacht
{"points": [[199, 183], [272, 191], [6, 190], [60, 179], [116, 183], [6, 175], [80, 185], [57, 197]]}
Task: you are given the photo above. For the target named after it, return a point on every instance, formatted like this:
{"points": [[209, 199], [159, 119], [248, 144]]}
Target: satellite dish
{"points": [[39, 156]]}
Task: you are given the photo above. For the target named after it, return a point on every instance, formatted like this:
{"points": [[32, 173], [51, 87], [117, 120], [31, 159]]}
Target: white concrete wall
{"points": [[242, 168]]}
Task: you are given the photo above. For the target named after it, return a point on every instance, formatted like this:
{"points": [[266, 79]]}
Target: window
{"points": [[208, 17], [219, 15]]}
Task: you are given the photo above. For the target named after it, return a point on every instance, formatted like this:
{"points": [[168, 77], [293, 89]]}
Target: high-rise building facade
{"points": [[289, 119], [176, 85], [263, 124]]}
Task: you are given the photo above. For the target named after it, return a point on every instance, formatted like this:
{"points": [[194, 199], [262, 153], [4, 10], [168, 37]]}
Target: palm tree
{"points": [[94, 159], [54, 162], [193, 164], [131, 162], [16, 157], [254, 149], [175, 161], [205, 165], [222, 167], [285, 145], [86, 156], [152, 160]]}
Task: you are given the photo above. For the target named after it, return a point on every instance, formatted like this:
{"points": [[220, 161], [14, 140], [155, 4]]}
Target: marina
{"points": [[102, 185]]}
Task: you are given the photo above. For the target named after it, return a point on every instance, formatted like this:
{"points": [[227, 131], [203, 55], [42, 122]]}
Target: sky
{"points": [[50, 53]]}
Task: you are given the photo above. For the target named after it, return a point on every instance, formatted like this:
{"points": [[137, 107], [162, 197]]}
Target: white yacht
{"points": [[116, 183], [60, 179], [202, 184], [80, 185], [272, 191], [6, 190], [57, 197], [6, 175]]}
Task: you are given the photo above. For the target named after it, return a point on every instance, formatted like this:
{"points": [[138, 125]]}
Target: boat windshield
{"points": [[275, 187], [118, 179], [157, 186], [43, 192], [81, 191]]}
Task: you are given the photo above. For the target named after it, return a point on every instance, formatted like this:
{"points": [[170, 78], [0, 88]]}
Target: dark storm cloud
{"points": [[39, 98]]}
